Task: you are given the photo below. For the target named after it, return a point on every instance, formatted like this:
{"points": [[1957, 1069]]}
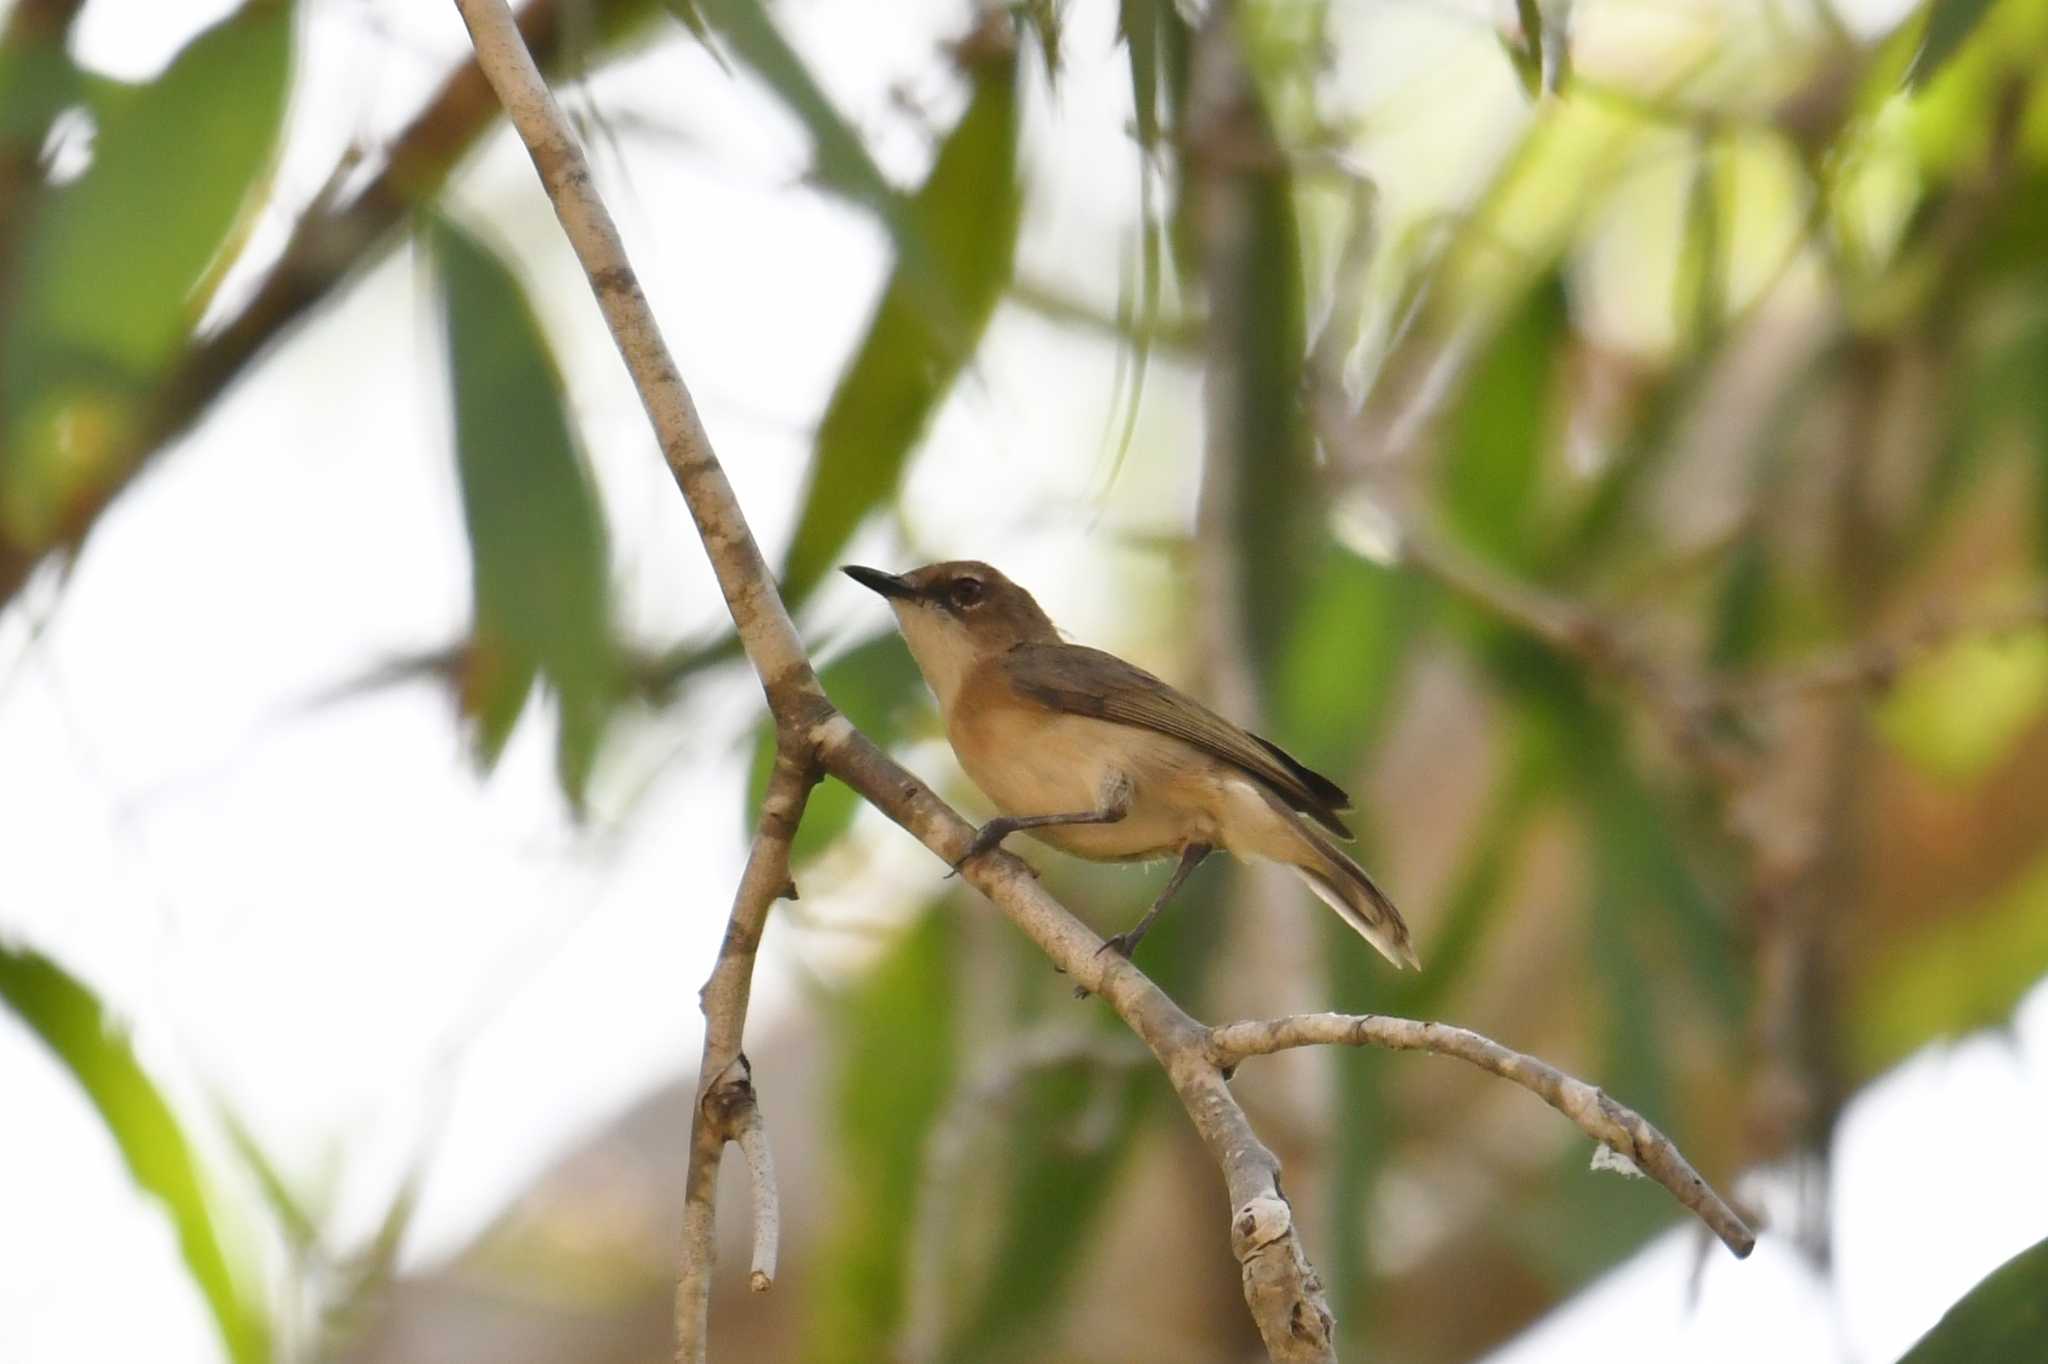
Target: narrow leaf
{"points": [[967, 212], [1494, 451], [893, 1045], [62, 1011], [1949, 25], [536, 532]]}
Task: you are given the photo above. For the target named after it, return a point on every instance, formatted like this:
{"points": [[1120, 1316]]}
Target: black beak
{"points": [[888, 584]]}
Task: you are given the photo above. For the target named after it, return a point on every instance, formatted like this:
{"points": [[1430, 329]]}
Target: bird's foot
{"points": [[989, 835], [1123, 944]]}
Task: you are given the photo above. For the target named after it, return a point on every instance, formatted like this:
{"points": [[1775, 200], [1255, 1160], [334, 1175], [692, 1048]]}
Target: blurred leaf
{"points": [[2005, 1317], [873, 685], [1057, 1193], [1351, 640], [536, 533], [1968, 969], [1526, 55], [967, 213], [1258, 347], [893, 1043], [1742, 605], [1493, 451], [116, 267], [1949, 25], [1959, 713], [183, 155], [1700, 290], [68, 1017], [1475, 898], [843, 163]]}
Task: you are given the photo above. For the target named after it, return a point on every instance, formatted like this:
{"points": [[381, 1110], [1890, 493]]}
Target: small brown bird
{"points": [[1103, 760]]}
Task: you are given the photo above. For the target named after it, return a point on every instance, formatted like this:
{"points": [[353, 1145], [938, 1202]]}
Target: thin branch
{"points": [[328, 244], [1620, 1129], [1875, 664], [726, 1109], [1282, 1291]]}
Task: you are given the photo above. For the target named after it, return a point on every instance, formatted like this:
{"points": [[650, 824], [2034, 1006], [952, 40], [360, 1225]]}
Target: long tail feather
{"points": [[1344, 886]]}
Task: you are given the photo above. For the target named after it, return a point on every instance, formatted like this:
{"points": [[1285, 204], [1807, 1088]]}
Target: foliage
{"points": [[1711, 385]]}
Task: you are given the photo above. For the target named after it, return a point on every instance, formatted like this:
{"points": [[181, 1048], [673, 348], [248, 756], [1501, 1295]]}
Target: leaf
{"points": [[1258, 349], [116, 267], [536, 533], [2005, 1317], [1493, 453], [871, 685], [967, 213], [841, 161], [60, 1009], [1056, 1195], [112, 276], [1949, 25], [1963, 970], [893, 1045], [1351, 639], [1960, 712]]}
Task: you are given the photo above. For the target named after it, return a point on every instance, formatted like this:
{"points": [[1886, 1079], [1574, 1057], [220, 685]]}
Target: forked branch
{"points": [[1281, 1289]]}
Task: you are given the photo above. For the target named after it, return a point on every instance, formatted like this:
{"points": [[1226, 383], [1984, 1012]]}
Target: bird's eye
{"points": [[966, 592]]}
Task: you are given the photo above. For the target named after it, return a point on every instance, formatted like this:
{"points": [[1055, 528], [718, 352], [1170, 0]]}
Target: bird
{"points": [[1098, 758]]}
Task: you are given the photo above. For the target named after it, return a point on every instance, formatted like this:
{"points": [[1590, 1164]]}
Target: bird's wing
{"points": [[1083, 681]]}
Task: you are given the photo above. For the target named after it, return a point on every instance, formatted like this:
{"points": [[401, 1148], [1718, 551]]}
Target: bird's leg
{"points": [[1126, 942], [1116, 803]]}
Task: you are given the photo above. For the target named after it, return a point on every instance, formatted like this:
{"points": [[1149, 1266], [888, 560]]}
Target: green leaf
{"points": [[113, 275], [59, 1009], [1258, 349], [2004, 1317], [1503, 427], [116, 267], [893, 1044], [967, 213], [536, 533], [1965, 969], [1351, 640], [1949, 25], [843, 163], [1960, 712], [872, 685], [1057, 1192]]}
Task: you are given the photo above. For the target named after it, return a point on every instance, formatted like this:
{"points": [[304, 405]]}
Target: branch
{"points": [[1621, 1130], [726, 1109], [1282, 1291], [1874, 664], [328, 243]]}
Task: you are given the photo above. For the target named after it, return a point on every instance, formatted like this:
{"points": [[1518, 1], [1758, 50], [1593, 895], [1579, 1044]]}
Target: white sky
{"points": [[321, 916]]}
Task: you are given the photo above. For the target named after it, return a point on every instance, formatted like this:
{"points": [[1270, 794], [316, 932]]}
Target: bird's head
{"points": [[955, 614]]}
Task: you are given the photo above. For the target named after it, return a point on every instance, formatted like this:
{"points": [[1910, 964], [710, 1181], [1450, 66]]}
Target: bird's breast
{"points": [[1029, 760]]}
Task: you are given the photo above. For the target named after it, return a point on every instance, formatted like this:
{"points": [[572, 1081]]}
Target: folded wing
{"points": [[1083, 681]]}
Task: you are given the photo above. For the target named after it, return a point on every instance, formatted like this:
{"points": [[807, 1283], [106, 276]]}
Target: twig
{"points": [[1282, 1291], [1875, 664], [1620, 1129], [726, 1109]]}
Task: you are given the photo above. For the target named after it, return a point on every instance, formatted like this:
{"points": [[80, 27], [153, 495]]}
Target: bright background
{"points": [[324, 925]]}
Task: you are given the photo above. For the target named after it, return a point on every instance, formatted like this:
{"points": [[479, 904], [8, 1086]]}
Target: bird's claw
{"points": [[989, 835], [1119, 943]]}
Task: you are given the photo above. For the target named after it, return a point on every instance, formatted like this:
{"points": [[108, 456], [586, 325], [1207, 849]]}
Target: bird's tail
{"points": [[1343, 885]]}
